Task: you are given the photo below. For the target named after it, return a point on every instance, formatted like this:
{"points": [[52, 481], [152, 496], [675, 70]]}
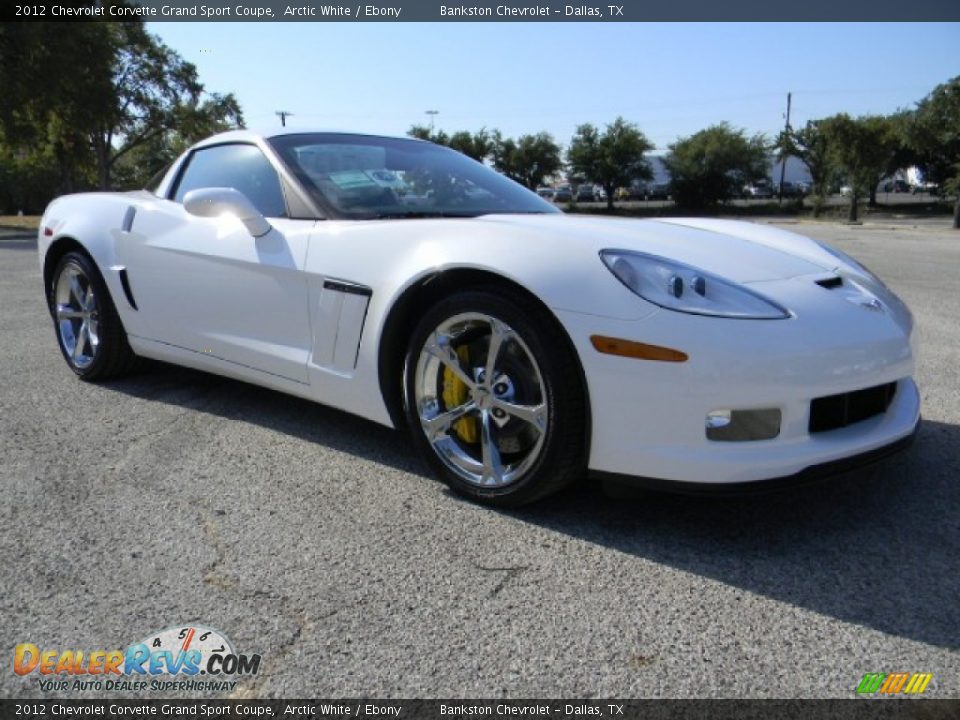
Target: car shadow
{"points": [[293, 416], [878, 548]]}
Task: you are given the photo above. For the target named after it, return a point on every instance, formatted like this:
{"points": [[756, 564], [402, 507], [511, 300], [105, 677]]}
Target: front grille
{"points": [[838, 411]]}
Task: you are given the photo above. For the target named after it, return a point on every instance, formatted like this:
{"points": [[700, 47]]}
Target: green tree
{"points": [[862, 150], [216, 113], [50, 99], [528, 160], [610, 159], [153, 91], [91, 93], [889, 152], [478, 145], [934, 135], [422, 132], [810, 145], [712, 165]]}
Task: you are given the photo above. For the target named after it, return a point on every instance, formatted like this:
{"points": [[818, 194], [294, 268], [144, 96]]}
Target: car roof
{"points": [[253, 135]]}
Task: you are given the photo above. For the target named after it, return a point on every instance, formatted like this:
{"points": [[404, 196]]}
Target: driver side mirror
{"points": [[213, 202]]}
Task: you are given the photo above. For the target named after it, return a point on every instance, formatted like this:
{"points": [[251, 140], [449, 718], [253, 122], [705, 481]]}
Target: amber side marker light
{"points": [[631, 349]]}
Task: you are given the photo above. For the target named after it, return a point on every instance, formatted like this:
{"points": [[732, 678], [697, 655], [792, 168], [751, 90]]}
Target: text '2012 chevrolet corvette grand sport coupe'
{"points": [[405, 283]]}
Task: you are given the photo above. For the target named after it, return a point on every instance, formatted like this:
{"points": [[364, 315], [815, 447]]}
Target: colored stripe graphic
{"points": [[918, 683], [894, 683], [871, 683]]}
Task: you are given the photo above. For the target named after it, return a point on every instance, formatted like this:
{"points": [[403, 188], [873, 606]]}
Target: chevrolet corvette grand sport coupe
{"points": [[521, 347]]}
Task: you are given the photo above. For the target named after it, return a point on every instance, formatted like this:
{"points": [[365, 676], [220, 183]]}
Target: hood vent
{"points": [[830, 283]]}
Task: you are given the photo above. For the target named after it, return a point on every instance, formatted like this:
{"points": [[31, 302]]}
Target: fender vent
{"points": [[128, 216], [125, 282]]}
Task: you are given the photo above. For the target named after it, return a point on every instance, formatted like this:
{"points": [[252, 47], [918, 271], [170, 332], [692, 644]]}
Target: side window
{"points": [[242, 167]]}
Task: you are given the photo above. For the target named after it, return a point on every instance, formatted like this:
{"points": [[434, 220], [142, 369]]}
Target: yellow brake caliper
{"points": [[455, 393]]}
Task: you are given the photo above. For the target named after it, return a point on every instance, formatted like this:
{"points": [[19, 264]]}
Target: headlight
{"points": [[675, 286]]}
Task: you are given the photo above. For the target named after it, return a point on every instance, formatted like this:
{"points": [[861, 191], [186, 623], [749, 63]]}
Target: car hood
{"points": [[740, 251]]}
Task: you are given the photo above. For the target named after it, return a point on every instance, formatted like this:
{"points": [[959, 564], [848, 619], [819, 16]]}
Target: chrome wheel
{"points": [[77, 314], [481, 400]]}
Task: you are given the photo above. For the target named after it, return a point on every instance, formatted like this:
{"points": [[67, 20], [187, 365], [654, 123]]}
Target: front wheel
{"points": [[89, 331], [494, 397]]}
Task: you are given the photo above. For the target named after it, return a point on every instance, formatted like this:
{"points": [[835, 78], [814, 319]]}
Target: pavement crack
{"points": [[219, 575], [509, 574]]}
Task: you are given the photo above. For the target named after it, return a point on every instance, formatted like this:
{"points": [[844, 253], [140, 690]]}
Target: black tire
{"points": [[555, 379], [111, 355]]}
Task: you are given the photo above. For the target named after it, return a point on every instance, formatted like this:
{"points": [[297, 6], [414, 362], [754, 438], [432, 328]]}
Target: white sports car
{"points": [[522, 347]]}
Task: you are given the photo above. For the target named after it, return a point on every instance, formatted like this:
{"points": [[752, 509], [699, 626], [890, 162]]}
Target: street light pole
{"points": [[283, 116], [783, 160], [432, 114]]}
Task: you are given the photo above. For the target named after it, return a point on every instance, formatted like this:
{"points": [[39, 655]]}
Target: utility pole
{"points": [[283, 116], [432, 114], [783, 161]]}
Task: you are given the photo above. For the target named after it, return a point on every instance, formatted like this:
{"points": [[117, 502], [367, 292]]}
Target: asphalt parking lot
{"points": [[318, 540]]}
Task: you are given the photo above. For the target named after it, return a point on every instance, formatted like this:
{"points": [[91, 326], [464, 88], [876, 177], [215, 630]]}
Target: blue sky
{"points": [[670, 79]]}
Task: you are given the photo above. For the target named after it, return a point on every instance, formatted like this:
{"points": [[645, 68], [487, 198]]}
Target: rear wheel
{"points": [[89, 331], [494, 397]]}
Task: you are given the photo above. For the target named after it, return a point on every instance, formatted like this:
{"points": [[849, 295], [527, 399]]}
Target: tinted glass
{"points": [[361, 176], [242, 167]]}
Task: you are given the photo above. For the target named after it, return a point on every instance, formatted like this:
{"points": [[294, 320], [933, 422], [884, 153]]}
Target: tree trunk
{"points": [[103, 162], [66, 172], [956, 212], [102, 148], [818, 201], [609, 191], [873, 196], [852, 217]]}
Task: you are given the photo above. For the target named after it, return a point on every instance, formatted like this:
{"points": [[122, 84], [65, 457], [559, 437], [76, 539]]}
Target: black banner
{"points": [[482, 10], [862, 709]]}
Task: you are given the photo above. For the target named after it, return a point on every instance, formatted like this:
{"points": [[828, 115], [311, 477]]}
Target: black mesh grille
{"points": [[837, 411]]}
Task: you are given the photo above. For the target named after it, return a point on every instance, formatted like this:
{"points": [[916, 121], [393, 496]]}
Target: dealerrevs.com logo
{"points": [[894, 683], [190, 658]]}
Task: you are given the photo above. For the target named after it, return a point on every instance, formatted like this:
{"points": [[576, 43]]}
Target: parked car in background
{"points": [[546, 192], [631, 192], [563, 193], [657, 191], [930, 188], [895, 186], [587, 192], [790, 190], [758, 191]]}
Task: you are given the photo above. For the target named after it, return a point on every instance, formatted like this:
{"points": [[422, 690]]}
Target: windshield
{"points": [[362, 177]]}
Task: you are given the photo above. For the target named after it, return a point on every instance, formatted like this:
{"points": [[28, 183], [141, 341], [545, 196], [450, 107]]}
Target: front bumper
{"points": [[648, 417], [808, 475]]}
